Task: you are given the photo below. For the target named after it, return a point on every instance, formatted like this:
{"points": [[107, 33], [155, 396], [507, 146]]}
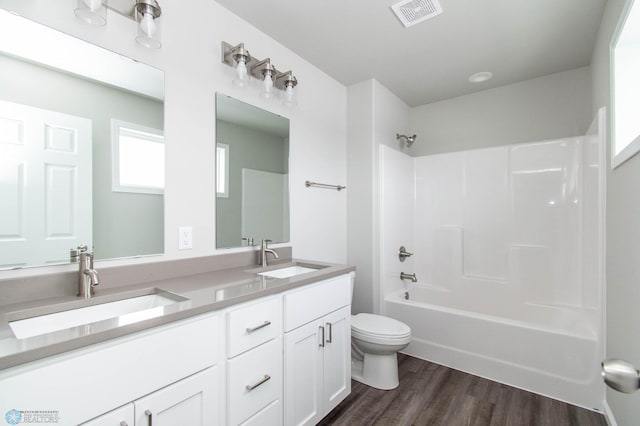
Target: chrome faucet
{"points": [[264, 249], [87, 275], [411, 277]]}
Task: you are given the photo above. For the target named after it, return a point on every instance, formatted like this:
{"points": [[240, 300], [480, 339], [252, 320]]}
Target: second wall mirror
{"points": [[252, 174]]}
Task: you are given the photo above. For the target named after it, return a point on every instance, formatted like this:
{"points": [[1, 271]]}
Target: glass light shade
{"points": [[267, 87], [242, 74], [148, 32], [93, 12], [289, 97]]}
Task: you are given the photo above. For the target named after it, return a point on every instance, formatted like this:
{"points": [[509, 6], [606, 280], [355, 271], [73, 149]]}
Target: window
{"points": [[222, 170], [625, 73], [138, 158]]}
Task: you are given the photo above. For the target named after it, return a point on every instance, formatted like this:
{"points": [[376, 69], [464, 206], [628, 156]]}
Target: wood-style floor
{"points": [[430, 394]]}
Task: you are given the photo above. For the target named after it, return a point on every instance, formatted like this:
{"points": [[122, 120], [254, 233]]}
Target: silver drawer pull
{"points": [[330, 327], [150, 416], [322, 337], [265, 379], [258, 327]]}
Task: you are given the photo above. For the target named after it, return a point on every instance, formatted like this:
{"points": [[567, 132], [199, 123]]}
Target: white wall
{"points": [[549, 107], [623, 235], [375, 115], [190, 58]]}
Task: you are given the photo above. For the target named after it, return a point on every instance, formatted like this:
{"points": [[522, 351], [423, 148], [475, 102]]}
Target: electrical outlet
{"points": [[185, 238]]}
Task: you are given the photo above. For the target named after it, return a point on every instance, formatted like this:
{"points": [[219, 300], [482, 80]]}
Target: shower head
{"points": [[409, 140]]}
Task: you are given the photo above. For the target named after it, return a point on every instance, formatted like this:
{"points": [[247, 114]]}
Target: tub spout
{"points": [[411, 277]]}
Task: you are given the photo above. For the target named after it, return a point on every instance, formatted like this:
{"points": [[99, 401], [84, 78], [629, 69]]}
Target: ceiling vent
{"points": [[411, 12]]}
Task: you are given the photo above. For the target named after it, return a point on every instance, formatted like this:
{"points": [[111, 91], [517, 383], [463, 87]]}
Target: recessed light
{"points": [[479, 77]]}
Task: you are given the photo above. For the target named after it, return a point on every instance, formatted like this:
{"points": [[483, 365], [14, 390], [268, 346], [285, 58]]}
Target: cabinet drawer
{"points": [[269, 416], [253, 324], [255, 380], [316, 300]]}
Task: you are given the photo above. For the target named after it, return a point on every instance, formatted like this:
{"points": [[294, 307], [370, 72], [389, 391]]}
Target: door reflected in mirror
{"points": [[60, 100], [252, 174]]}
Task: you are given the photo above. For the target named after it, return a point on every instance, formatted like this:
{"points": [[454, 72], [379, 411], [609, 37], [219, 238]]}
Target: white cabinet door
{"points": [[192, 401], [303, 375], [337, 358], [123, 416]]}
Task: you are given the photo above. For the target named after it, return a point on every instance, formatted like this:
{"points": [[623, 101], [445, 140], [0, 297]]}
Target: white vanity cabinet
{"points": [[169, 366], [190, 401], [317, 350], [254, 367]]}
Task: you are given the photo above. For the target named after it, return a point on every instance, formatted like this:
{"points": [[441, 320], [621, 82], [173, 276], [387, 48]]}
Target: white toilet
{"points": [[375, 341]]}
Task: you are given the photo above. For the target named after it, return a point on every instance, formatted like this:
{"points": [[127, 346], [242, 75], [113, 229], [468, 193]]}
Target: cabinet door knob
{"points": [[330, 327], [322, 336], [255, 385], [258, 327], [149, 416]]}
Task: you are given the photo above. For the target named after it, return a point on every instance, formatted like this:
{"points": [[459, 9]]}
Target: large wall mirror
{"points": [[81, 149], [252, 174]]}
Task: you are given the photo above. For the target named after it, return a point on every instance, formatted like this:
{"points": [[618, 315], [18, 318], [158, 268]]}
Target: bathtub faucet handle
{"points": [[411, 277], [403, 254]]}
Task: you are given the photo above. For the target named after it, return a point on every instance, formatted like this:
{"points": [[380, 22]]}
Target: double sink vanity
{"points": [[234, 345]]}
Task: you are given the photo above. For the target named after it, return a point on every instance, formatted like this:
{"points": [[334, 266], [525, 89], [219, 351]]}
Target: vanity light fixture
{"points": [[263, 70], [239, 58], [266, 72], [287, 82], [144, 12]]}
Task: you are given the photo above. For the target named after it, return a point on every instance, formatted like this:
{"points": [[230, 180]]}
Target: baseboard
{"points": [[608, 415]]}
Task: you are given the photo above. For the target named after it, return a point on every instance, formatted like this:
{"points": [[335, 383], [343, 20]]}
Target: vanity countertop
{"points": [[204, 292]]}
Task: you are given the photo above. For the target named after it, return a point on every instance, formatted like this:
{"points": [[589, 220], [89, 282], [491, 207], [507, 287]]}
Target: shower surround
{"points": [[508, 252]]}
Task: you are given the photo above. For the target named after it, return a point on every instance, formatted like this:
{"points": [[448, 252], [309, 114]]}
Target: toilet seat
{"points": [[379, 329]]}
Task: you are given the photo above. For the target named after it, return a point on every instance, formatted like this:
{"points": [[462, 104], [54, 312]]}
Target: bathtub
{"points": [[549, 350]]}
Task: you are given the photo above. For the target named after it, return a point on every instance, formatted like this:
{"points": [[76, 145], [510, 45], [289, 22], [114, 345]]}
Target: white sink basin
{"points": [[290, 271], [126, 311]]}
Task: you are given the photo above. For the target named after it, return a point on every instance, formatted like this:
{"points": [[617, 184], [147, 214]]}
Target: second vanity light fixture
{"points": [[246, 67], [144, 12]]}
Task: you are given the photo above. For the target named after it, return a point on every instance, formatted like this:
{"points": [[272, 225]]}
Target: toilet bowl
{"points": [[375, 341]]}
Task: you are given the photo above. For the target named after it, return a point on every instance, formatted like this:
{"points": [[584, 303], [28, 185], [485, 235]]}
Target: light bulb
{"points": [[92, 12], [288, 93], [93, 5], [241, 72], [241, 69], [148, 25], [267, 86]]}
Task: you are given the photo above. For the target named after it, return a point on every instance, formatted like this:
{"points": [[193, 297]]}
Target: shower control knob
{"points": [[621, 375], [403, 254]]}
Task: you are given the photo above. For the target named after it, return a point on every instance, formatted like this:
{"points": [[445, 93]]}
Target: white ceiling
{"points": [[355, 40]]}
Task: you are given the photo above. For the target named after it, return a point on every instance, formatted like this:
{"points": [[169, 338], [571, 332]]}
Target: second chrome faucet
{"points": [[264, 249]]}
